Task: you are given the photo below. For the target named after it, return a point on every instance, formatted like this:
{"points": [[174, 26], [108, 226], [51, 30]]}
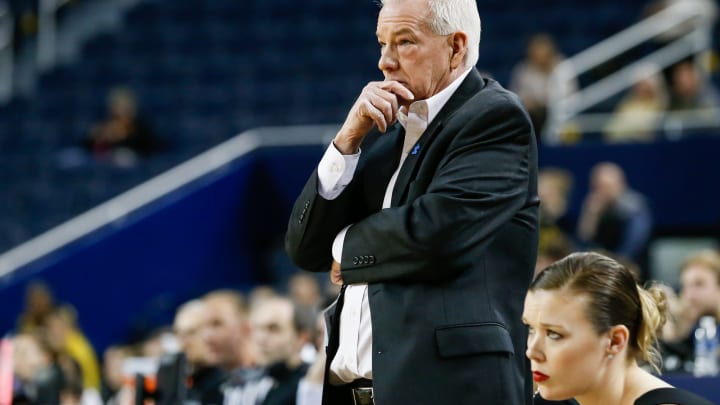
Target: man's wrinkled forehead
{"points": [[404, 13]]}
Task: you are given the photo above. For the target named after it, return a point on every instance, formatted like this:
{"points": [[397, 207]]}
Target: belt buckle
{"points": [[363, 396]]}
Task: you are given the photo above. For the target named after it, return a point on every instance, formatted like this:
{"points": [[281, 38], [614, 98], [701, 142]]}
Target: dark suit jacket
{"points": [[284, 392], [449, 263]]}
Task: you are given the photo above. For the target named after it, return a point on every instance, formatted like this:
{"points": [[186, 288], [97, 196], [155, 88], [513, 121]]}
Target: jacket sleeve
{"points": [[314, 223]]}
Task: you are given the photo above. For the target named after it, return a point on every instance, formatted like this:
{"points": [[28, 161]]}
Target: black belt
{"points": [[362, 392]]}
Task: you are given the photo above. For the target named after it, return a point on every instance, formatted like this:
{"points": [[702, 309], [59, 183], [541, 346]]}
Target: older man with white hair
{"points": [[425, 209]]}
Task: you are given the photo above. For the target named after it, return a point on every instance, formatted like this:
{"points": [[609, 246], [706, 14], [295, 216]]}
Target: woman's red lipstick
{"points": [[539, 377]]}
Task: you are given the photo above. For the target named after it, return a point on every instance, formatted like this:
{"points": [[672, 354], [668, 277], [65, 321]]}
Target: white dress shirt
{"points": [[353, 359]]}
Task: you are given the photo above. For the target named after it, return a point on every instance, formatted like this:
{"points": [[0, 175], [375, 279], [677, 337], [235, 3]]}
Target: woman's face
{"points": [[568, 358]]}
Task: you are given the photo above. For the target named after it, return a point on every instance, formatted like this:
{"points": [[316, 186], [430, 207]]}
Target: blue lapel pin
{"points": [[415, 150]]}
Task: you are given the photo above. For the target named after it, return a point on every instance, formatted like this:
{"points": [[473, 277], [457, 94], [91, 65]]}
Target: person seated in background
{"points": [[204, 377], [259, 293], [112, 372], [690, 90], [227, 330], [39, 377], [279, 331], [638, 114], [590, 325], [310, 387], [614, 217], [530, 79], [123, 134], [227, 333], [552, 247], [39, 303], [699, 296], [304, 289], [65, 337], [554, 186], [73, 392]]}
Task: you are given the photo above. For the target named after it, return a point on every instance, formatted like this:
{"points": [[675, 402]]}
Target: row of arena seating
{"points": [[206, 70]]}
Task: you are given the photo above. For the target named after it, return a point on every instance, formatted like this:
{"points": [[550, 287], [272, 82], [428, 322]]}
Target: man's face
{"points": [[189, 330], [700, 290], [410, 52], [224, 332], [273, 332]]}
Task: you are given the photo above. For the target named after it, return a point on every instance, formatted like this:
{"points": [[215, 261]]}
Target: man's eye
{"points": [[531, 330], [404, 42], [554, 335]]}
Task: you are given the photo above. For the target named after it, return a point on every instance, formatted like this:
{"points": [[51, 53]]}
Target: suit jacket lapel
{"points": [[381, 165], [469, 87]]}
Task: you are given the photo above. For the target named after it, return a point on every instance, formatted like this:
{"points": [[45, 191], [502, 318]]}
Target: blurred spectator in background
{"points": [[554, 187], [157, 343], [639, 113], [304, 290], [26, 20], [551, 249], [690, 90], [310, 387], [205, 378], [530, 79], [65, 337], [25, 13], [228, 336], [40, 378], [614, 217], [112, 377], [39, 303], [73, 392], [259, 293], [123, 135], [280, 330], [699, 296]]}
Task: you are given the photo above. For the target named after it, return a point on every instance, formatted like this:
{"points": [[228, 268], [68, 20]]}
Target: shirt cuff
{"points": [[338, 243], [335, 172]]}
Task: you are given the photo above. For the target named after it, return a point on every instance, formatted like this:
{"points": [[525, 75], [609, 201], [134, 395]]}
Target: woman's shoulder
{"points": [[670, 395]]}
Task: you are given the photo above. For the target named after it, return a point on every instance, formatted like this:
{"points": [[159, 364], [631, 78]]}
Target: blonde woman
{"points": [[589, 326]]}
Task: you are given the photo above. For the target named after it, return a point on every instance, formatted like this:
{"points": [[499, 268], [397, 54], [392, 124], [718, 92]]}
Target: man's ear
{"points": [[458, 44]]}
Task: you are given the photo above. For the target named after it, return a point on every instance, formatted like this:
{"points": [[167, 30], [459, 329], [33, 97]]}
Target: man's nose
{"points": [[388, 61]]}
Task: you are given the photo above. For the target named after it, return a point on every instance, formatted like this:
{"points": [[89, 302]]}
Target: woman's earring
{"points": [[610, 356]]}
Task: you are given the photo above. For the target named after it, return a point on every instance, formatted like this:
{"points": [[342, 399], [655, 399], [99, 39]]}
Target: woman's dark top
{"points": [[654, 397], [671, 396]]}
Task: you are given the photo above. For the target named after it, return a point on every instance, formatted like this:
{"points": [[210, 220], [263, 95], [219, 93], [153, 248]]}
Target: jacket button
{"points": [[372, 259], [356, 260], [307, 203]]}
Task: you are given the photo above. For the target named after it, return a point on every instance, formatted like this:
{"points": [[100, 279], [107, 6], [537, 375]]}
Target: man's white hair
{"points": [[449, 16]]}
